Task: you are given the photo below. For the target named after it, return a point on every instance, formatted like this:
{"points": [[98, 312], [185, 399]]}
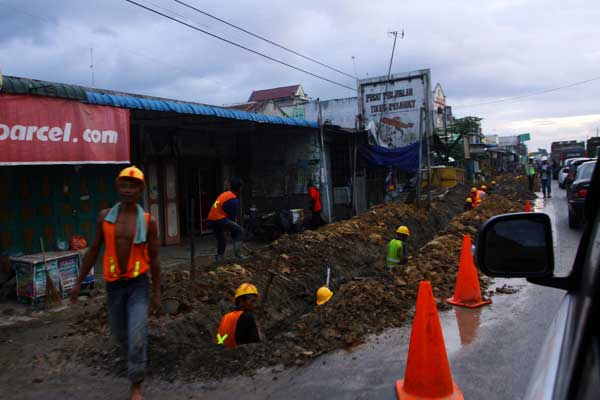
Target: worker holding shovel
{"points": [[130, 238]]}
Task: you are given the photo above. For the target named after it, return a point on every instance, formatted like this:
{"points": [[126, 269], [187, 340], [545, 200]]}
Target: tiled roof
{"points": [[275, 93]]}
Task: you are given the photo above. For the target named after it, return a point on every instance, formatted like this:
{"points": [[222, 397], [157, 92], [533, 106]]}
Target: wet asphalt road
{"points": [[492, 350]]}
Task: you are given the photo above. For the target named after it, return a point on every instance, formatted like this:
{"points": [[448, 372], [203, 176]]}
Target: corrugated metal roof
{"points": [[142, 103], [13, 84]]}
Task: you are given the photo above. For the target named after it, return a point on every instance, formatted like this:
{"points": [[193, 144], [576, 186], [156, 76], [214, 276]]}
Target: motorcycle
{"points": [[270, 225]]}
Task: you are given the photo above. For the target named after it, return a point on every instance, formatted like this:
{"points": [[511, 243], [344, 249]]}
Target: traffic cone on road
{"points": [[427, 373], [467, 292], [527, 206]]}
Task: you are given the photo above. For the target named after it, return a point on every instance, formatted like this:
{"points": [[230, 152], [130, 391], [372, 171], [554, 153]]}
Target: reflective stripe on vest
{"points": [[216, 211], [138, 263], [225, 335], [394, 249]]}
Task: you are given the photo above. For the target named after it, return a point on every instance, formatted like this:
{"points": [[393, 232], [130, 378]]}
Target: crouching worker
{"points": [[396, 248], [239, 327], [468, 204]]}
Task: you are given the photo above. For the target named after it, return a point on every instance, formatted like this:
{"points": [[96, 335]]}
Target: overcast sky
{"points": [[480, 51]]}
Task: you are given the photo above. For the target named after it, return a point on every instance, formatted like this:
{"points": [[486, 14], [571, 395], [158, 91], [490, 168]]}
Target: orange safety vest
{"points": [[139, 261], [216, 211], [479, 196], [316, 198], [226, 332]]}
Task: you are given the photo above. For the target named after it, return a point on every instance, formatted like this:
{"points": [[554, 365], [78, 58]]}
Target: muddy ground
{"points": [[366, 299]]}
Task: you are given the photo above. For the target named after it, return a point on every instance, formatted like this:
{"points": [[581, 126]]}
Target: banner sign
{"points": [[392, 107], [46, 130]]}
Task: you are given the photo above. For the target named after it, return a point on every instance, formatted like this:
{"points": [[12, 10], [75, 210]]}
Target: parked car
{"points": [[577, 193], [573, 170], [520, 245]]}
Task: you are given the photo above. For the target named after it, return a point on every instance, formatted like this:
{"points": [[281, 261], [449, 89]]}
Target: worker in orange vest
{"points": [[475, 199], [316, 206], [481, 193], [130, 239], [222, 217], [238, 326]]}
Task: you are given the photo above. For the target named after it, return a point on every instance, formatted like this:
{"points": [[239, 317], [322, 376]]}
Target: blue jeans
{"points": [[547, 186], [127, 302]]}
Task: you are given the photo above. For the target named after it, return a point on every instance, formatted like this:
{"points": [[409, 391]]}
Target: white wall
{"points": [[340, 112]]}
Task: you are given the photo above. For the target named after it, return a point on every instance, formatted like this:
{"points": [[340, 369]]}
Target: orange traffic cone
{"points": [[527, 206], [467, 292], [427, 373]]}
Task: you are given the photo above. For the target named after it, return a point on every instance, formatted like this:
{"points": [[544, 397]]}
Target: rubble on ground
{"points": [[366, 299]]}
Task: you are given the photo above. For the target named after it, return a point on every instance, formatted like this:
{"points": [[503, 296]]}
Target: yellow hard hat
{"points": [[323, 295], [403, 229], [483, 187], [493, 182], [473, 189], [469, 200], [246, 288], [132, 172]]}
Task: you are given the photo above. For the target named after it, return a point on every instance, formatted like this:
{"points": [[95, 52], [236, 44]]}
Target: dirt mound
{"points": [[366, 299]]}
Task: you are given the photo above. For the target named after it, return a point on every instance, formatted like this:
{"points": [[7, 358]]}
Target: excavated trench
{"points": [[366, 299]]}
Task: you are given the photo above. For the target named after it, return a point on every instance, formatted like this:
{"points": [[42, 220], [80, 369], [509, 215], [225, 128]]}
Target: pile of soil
{"points": [[366, 300]]}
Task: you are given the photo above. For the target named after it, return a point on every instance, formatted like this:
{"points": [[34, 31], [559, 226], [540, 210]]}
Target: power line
{"points": [[531, 94], [265, 39], [125, 49], [239, 45]]}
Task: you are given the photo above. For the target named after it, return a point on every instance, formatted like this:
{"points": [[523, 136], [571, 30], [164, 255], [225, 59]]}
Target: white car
{"points": [[564, 170]]}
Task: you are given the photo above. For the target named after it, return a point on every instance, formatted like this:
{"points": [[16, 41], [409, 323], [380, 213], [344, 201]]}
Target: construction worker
{"points": [[492, 188], [130, 239], [238, 326], [482, 193], [316, 206], [475, 199], [222, 218], [396, 248], [468, 204], [530, 171]]}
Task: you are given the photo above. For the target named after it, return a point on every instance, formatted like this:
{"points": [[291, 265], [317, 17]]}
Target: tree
{"points": [[450, 143]]}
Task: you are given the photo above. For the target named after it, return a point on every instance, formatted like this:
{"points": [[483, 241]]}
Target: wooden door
{"points": [[171, 203], [153, 198]]}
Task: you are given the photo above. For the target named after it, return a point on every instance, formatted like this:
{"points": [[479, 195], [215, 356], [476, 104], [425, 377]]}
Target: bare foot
{"points": [[136, 391]]}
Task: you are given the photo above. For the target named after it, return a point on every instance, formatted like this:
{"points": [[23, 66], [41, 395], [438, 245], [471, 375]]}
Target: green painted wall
{"points": [[54, 202]]}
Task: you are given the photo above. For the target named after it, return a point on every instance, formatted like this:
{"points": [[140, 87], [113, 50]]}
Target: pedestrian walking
{"points": [[546, 177]]}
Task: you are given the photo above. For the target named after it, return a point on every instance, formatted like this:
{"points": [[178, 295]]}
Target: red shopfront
{"points": [[58, 160]]}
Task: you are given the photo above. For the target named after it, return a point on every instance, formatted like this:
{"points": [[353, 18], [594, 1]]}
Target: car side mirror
{"points": [[516, 245]]}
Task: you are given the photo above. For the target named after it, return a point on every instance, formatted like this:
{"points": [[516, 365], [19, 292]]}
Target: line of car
{"points": [[575, 176]]}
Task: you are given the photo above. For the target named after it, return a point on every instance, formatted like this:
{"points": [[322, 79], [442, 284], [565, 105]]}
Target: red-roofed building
{"points": [[282, 96]]}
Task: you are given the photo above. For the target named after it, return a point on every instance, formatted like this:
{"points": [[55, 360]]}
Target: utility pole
{"points": [[354, 64], [389, 74], [92, 65]]}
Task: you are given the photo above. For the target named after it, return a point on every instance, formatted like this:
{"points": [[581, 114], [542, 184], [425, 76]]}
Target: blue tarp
{"points": [[406, 158]]}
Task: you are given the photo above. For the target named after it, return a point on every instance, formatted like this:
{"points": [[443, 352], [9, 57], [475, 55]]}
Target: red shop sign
{"points": [[46, 130]]}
